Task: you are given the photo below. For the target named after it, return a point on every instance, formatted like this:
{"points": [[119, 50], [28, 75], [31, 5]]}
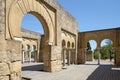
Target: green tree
{"points": [[95, 54], [107, 51], [32, 54], [104, 52], [88, 46]]}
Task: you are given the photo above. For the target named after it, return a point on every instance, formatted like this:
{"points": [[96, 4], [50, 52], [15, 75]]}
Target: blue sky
{"points": [[94, 14], [30, 22], [90, 14]]}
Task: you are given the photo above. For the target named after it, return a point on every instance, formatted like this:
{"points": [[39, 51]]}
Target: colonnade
{"points": [[68, 57], [99, 54], [29, 56]]}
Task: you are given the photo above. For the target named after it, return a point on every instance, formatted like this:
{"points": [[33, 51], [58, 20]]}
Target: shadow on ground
{"points": [[38, 67], [105, 72]]}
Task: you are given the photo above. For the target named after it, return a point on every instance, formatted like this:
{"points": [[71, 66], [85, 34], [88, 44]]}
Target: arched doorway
{"points": [[107, 51], [34, 54], [46, 15], [63, 53], [90, 51], [32, 30], [27, 55]]}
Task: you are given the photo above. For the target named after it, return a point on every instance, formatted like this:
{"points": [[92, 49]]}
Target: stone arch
{"points": [[91, 36], [106, 39], [34, 46], [27, 47], [113, 40], [18, 8]]}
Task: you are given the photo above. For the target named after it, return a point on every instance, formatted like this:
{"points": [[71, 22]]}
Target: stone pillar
{"points": [[72, 57], [117, 56], [64, 58], [81, 56], [23, 56], [52, 58], [69, 56], [114, 50], [85, 54], [75, 56]]}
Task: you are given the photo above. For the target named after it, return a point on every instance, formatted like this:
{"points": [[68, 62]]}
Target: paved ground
{"points": [[89, 71]]}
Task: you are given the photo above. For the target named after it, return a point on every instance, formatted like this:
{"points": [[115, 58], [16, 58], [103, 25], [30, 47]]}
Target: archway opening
{"points": [[32, 23], [90, 51], [34, 54], [107, 51], [34, 34], [68, 44], [63, 44], [26, 53], [63, 53], [73, 45]]}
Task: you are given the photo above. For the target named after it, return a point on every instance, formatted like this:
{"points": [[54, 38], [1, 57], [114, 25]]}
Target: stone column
{"points": [[23, 56], [72, 57], [114, 51], [81, 56], [117, 56], [52, 58], [85, 54], [64, 58], [75, 56], [69, 56]]}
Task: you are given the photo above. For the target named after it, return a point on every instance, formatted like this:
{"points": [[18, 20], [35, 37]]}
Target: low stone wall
{"points": [[89, 56], [10, 64]]}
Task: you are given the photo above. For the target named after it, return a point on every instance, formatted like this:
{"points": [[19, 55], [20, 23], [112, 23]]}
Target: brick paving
{"points": [[88, 71]]}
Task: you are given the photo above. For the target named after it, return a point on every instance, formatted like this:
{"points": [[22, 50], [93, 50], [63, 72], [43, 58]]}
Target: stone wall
{"points": [[31, 38], [117, 48], [89, 56], [10, 58], [98, 36], [2, 19], [65, 20], [81, 49], [10, 61], [30, 34]]}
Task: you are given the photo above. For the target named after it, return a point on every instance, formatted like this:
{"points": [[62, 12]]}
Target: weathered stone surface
{"points": [[4, 69], [13, 50], [30, 34], [4, 57], [4, 78], [89, 56], [15, 76], [15, 67]]}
